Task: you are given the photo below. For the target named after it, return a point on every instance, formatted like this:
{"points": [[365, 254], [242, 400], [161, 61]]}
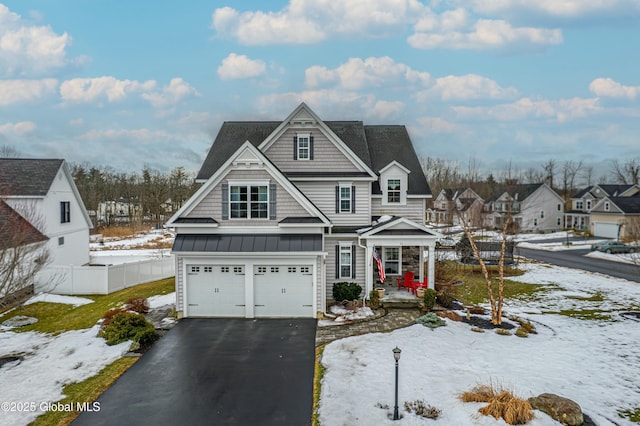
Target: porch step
{"points": [[400, 303]]}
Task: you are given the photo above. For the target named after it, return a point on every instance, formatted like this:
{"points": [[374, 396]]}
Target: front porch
{"points": [[398, 298]]}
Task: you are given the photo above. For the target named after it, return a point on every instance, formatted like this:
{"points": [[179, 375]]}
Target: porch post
{"points": [[421, 268], [432, 266], [369, 269]]}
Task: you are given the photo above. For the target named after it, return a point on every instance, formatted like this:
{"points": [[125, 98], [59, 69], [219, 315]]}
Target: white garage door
{"points": [[606, 230], [283, 291], [215, 291]]}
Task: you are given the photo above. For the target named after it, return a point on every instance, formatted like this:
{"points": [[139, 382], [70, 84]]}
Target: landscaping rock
{"points": [[453, 316], [559, 408], [19, 321], [477, 310]]}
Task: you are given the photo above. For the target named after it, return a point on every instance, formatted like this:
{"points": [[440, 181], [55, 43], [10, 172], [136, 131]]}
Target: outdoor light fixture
{"points": [[396, 356]]}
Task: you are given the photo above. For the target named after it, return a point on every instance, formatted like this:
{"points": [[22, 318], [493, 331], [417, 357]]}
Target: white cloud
{"points": [[124, 135], [387, 109], [466, 87], [30, 50], [371, 72], [17, 91], [436, 125], [177, 90], [240, 66], [556, 8], [311, 21], [606, 87], [20, 128], [91, 89], [488, 35], [561, 110]]}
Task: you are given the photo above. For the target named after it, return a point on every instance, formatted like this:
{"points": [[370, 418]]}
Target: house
{"points": [[616, 217], [42, 191], [123, 210], [582, 203], [532, 207], [288, 208], [453, 204]]}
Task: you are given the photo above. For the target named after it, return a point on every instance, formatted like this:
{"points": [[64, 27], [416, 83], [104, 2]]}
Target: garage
{"points": [[605, 230], [283, 291], [215, 290]]}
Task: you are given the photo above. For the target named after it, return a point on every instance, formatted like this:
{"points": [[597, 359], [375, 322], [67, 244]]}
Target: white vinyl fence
{"points": [[103, 279]]}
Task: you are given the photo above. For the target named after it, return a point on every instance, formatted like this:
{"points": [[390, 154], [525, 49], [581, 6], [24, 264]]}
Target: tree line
{"points": [[151, 195]]}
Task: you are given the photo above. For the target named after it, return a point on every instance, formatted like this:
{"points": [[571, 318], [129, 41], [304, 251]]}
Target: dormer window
{"points": [[588, 204], [303, 146], [393, 191]]}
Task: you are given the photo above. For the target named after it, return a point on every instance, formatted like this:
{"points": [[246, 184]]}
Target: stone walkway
{"points": [[394, 318]]}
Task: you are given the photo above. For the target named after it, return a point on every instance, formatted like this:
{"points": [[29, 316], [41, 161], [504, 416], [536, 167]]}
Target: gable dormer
{"points": [[394, 182]]}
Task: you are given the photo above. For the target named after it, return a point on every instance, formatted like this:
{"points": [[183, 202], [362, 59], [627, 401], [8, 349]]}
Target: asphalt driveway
{"points": [[217, 371]]}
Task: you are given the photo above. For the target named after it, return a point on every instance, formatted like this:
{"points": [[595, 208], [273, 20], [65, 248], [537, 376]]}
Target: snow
{"points": [[344, 314], [127, 243], [49, 363], [594, 362], [56, 298], [162, 300]]}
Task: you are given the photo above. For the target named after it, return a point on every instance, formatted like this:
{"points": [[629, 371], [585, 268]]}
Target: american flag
{"points": [[376, 256]]}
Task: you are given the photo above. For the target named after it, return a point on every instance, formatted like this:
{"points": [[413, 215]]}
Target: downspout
{"points": [[366, 268]]}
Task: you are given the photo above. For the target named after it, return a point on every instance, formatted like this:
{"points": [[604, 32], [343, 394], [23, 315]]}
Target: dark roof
{"points": [[197, 220], [325, 174], [612, 190], [389, 143], [522, 190], [27, 176], [312, 220], [628, 205], [15, 230], [376, 146], [247, 243]]}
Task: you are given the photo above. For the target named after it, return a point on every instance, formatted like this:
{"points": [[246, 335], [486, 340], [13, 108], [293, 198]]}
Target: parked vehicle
{"points": [[446, 242], [612, 247]]}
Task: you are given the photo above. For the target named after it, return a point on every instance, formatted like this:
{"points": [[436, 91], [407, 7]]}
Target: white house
{"points": [[288, 208], [43, 192]]}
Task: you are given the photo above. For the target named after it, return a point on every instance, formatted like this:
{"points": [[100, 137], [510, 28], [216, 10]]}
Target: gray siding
{"points": [[330, 270], [414, 209], [211, 205], [323, 195], [326, 156]]}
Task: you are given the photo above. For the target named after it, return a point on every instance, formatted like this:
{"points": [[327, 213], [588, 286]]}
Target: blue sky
{"points": [[128, 84]]}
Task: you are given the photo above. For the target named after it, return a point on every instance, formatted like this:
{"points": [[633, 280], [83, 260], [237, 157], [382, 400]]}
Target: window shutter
{"points": [[225, 201], [337, 199], [337, 261], [353, 199], [353, 261], [61, 212], [295, 147], [272, 201], [310, 147]]}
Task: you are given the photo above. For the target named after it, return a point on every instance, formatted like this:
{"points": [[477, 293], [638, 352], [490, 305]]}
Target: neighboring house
{"points": [[451, 205], [616, 217], [532, 207], [21, 244], [288, 208], [580, 217], [122, 210], [43, 192]]}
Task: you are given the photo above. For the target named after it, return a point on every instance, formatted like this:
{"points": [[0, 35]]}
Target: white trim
{"points": [[329, 179], [394, 163], [279, 131], [248, 184], [306, 136], [345, 245], [278, 177], [399, 261]]}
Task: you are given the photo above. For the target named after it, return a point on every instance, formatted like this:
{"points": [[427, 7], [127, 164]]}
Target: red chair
{"points": [[407, 282]]}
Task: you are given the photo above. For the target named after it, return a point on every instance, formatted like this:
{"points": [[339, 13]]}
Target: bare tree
{"points": [[570, 170], [23, 252], [587, 174], [549, 171], [532, 175], [441, 174], [8, 151], [627, 173]]}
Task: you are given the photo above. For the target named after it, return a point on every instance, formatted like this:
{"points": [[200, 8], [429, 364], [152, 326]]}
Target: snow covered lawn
{"points": [[595, 362]]}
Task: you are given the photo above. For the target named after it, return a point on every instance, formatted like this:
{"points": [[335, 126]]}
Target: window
{"points": [[237, 269], [579, 205], [391, 259], [275, 269], [304, 147], [559, 206], [195, 269], [393, 190], [345, 261], [345, 199], [224, 269], [588, 204], [606, 206], [558, 222], [65, 212], [542, 214], [304, 269], [291, 269], [60, 241], [262, 269], [208, 269], [250, 201], [535, 222]]}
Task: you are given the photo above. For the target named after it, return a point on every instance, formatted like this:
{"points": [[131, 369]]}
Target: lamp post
{"points": [[396, 356]]}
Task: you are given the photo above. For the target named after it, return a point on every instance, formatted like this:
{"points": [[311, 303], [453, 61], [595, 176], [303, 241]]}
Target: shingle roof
{"points": [[628, 205], [15, 230], [614, 190], [522, 190], [27, 176], [376, 146]]}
